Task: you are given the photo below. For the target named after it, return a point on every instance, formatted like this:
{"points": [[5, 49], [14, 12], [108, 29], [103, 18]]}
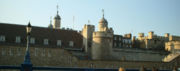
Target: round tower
{"points": [[102, 41], [102, 45], [57, 21]]}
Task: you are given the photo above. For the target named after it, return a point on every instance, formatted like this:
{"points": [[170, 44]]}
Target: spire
{"points": [[50, 25], [73, 21], [103, 12], [51, 20], [103, 20], [57, 9], [57, 16], [88, 21]]}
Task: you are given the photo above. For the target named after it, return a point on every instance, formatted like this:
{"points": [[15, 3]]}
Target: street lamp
{"points": [[28, 28], [27, 65], [27, 56]]}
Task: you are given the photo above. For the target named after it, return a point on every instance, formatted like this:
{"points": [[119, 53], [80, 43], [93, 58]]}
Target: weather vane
{"points": [[88, 21], [57, 9], [51, 20], [103, 12]]}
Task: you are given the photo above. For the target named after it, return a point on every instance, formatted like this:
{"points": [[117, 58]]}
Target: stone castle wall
{"points": [[173, 46], [138, 55], [57, 57], [39, 56]]}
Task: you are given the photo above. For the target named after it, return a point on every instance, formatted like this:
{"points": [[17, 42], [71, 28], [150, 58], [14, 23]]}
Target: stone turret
{"points": [[140, 36], [102, 45], [50, 24], [102, 41], [166, 35], [87, 34], [103, 25], [57, 21], [150, 35]]}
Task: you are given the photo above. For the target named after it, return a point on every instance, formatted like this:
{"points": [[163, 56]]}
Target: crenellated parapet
{"points": [[101, 34]]}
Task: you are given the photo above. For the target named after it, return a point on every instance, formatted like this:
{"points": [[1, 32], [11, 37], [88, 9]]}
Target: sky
{"points": [[124, 16]]}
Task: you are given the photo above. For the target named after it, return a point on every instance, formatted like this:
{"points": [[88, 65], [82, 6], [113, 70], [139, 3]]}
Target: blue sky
{"points": [[125, 16]]}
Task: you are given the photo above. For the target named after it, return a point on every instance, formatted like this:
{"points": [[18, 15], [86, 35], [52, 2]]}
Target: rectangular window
{"points": [[18, 39], [2, 38], [58, 42], [32, 40], [46, 42], [71, 43], [115, 38]]}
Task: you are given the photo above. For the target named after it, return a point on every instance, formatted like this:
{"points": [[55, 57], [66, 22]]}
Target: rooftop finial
{"points": [[88, 21], [103, 12], [51, 20], [57, 9]]}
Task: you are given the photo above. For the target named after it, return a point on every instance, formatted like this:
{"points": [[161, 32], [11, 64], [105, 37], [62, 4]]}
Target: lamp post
{"points": [[27, 65]]}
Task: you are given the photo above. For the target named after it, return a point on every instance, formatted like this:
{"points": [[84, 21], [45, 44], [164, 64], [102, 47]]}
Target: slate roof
{"points": [[10, 31]]}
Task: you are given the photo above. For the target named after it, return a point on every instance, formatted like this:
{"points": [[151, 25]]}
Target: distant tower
{"points": [[57, 21], [166, 35], [150, 35], [102, 41], [87, 34], [50, 25]]}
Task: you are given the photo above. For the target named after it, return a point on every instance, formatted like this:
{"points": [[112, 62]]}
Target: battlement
{"points": [[88, 26], [174, 42], [174, 38], [141, 35], [102, 34]]}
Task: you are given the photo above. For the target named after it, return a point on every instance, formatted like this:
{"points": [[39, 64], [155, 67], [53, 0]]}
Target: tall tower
{"points": [[87, 34], [57, 21], [102, 41]]}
